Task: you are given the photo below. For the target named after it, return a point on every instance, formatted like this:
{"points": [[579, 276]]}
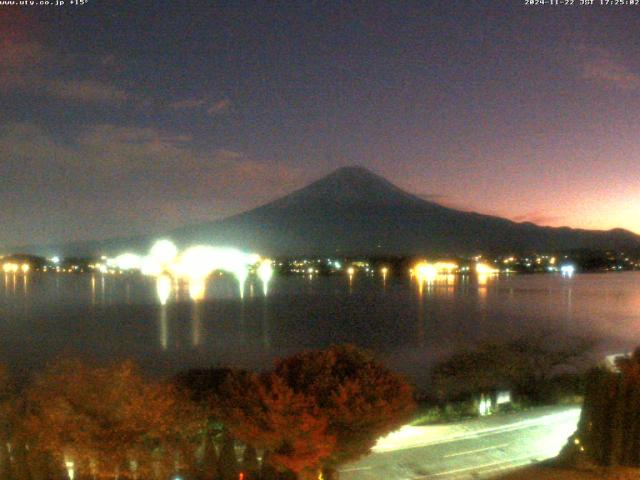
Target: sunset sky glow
{"points": [[117, 119]]}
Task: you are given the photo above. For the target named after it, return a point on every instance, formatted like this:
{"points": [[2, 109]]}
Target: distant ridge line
{"points": [[354, 211]]}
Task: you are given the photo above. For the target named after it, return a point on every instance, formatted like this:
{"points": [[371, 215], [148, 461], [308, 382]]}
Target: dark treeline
{"points": [[585, 260], [538, 369], [608, 432], [309, 414]]}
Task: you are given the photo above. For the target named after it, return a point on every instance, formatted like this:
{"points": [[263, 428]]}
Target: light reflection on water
{"points": [[167, 325]]}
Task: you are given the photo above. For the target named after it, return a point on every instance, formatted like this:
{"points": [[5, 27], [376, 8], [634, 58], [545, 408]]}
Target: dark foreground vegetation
{"points": [[606, 444], [536, 369], [608, 433], [302, 419]]}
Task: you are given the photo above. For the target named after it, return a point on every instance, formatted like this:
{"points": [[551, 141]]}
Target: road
{"points": [[478, 448]]}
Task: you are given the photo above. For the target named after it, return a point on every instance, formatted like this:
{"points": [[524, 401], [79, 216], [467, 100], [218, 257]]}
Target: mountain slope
{"points": [[355, 211]]}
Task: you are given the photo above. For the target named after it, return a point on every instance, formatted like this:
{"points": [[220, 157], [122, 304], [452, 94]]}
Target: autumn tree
{"points": [[108, 421], [262, 411], [314, 411], [360, 399]]}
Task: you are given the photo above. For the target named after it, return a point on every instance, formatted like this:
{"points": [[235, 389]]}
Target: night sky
{"points": [[126, 117]]}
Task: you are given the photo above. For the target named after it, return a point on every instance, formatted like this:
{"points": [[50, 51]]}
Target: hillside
{"points": [[354, 211]]}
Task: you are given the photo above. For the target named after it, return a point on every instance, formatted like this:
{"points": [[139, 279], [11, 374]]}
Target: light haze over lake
{"points": [[107, 317]]}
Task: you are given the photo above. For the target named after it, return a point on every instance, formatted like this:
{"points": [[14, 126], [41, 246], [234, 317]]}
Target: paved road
{"points": [[478, 448]]}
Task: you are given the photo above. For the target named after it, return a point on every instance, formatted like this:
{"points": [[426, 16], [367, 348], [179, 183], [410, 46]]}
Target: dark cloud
{"points": [[128, 179], [25, 68]]}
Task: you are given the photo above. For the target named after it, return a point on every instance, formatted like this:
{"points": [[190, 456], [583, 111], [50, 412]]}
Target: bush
{"points": [[537, 369]]}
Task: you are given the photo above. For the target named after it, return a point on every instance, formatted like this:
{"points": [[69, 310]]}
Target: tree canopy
{"points": [[316, 409], [361, 399], [524, 365], [311, 412], [107, 420]]}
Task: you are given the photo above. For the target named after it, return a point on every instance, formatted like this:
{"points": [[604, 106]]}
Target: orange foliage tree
{"points": [[317, 409], [108, 421], [262, 411], [360, 399]]}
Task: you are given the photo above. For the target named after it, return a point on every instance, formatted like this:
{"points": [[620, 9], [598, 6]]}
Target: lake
{"points": [[105, 317]]}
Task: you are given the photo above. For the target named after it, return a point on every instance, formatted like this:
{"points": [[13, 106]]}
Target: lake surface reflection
{"points": [[166, 327]]}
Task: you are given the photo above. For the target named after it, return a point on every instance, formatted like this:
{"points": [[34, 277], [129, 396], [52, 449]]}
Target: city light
{"points": [[197, 289], [430, 272], [241, 273], [161, 255], [446, 267], [384, 271], [126, 261], [193, 265], [164, 251], [425, 272], [265, 272], [567, 270], [10, 267], [163, 288], [70, 466], [485, 269]]}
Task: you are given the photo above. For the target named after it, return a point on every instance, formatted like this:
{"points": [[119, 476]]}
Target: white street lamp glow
{"points": [[425, 272], [485, 269], [197, 289], [160, 257], [164, 251], [127, 261], [241, 273], [265, 272], [163, 288], [567, 270], [195, 265]]}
